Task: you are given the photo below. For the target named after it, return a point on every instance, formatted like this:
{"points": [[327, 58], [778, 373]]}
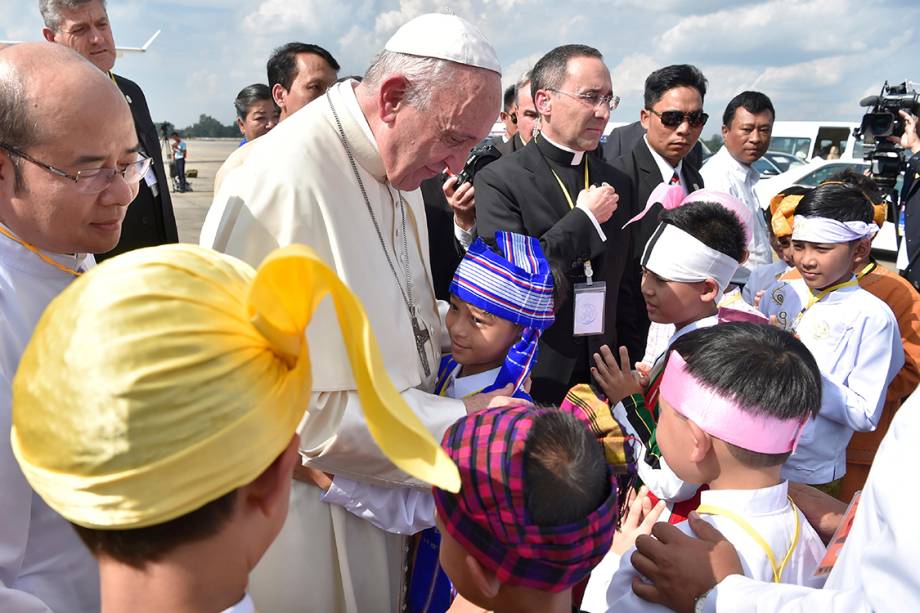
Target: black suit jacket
{"points": [[645, 176], [444, 251], [910, 200], [518, 193], [510, 147], [150, 219]]}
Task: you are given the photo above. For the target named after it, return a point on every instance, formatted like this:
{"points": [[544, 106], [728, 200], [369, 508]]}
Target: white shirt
{"points": [[856, 341], [667, 171], [769, 513], [724, 173], [401, 510], [877, 567], [43, 565]]}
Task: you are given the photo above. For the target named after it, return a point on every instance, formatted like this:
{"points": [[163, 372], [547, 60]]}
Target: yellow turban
{"points": [[170, 376]]}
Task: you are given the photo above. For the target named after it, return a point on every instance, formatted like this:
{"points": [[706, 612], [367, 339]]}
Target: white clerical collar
{"points": [[756, 502], [473, 384], [664, 167], [694, 325], [21, 258], [347, 89], [246, 605], [576, 155]]}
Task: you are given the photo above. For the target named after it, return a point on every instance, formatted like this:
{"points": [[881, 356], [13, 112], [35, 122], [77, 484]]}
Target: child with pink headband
{"points": [[734, 400]]}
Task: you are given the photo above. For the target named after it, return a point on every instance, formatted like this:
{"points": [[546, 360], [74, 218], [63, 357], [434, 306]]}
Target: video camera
{"points": [[881, 121], [481, 155]]}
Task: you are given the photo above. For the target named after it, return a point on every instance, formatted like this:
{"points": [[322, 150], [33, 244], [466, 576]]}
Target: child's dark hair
{"points": [[561, 286], [712, 224], [759, 366], [847, 197], [565, 473], [136, 547]]}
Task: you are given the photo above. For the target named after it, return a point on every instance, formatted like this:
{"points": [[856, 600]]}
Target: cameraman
{"points": [[909, 249]]}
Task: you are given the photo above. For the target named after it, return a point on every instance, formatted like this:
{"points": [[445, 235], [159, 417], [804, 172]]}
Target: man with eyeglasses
{"points": [[69, 167], [83, 25], [553, 190], [673, 119]]}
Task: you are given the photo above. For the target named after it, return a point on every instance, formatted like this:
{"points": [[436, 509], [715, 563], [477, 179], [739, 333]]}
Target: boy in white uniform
{"points": [[853, 335], [734, 399]]}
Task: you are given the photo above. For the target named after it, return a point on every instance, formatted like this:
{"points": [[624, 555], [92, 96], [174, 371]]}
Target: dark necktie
{"points": [[675, 179]]}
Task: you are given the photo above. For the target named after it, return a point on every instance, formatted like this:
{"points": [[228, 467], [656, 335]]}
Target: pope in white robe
{"points": [[341, 176]]}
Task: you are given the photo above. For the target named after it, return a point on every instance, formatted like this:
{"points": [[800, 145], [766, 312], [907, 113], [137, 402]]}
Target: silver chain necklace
{"points": [[421, 334]]}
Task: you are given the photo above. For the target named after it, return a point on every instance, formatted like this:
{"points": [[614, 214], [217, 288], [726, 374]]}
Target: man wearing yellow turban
{"points": [[155, 409]]}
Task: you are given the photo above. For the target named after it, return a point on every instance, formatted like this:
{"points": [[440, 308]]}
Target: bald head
{"points": [[45, 87]]}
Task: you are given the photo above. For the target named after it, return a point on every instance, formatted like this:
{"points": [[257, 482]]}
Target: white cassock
{"points": [[856, 342], [723, 173], [297, 186], [43, 565], [768, 512], [877, 567]]}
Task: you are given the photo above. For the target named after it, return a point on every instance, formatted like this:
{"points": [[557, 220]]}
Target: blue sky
{"points": [[814, 58]]}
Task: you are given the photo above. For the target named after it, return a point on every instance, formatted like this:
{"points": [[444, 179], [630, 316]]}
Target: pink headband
{"points": [[674, 196], [724, 418]]}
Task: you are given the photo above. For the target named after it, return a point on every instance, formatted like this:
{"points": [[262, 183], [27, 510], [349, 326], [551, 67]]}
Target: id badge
{"points": [[590, 302]]}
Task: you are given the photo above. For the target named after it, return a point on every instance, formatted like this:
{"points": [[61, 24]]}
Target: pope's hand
{"points": [[488, 400], [462, 202], [601, 200]]}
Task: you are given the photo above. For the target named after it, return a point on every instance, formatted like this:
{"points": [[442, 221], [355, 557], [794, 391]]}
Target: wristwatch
{"points": [[700, 603]]}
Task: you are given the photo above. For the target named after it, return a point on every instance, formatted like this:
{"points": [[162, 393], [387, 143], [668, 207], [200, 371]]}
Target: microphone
{"points": [[869, 101]]}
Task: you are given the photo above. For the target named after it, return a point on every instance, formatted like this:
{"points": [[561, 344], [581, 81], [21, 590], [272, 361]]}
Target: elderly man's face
{"points": [[314, 77], [94, 129], [86, 30], [421, 142]]}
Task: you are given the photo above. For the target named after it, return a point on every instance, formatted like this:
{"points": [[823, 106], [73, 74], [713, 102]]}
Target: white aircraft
{"points": [[118, 50]]}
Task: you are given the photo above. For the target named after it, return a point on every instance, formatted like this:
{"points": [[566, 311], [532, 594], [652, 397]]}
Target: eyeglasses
{"points": [[595, 100], [672, 119], [94, 180]]}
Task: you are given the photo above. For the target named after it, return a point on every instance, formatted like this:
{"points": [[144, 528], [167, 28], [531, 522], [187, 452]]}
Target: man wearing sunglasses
{"points": [[506, 143], [673, 119], [69, 167], [83, 25], [555, 190]]}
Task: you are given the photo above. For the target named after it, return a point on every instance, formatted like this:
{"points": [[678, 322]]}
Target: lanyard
{"points": [[747, 527], [41, 255], [869, 268], [816, 298]]}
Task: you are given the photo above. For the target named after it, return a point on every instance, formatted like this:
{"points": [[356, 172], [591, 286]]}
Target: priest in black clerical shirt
{"points": [[552, 190]]}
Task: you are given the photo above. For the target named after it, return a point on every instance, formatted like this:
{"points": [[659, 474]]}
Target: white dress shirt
{"points": [[723, 173], [856, 341], [43, 565], [877, 567]]}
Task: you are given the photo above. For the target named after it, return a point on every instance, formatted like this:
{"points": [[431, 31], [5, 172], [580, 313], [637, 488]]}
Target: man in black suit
{"points": [[83, 25], [673, 120], [552, 190], [506, 142], [909, 250]]}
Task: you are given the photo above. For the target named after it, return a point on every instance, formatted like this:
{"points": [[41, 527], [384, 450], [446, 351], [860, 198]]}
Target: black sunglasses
{"points": [[672, 119]]}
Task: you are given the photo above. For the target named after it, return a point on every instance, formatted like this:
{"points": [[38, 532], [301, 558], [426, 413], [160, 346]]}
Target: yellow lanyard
{"points": [[869, 268], [450, 379], [565, 192], [816, 298], [747, 527], [730, 301], [36, 251]]}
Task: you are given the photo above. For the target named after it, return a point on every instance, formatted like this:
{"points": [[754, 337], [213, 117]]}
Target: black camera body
{"points": [[481, 155], [882, 121]]}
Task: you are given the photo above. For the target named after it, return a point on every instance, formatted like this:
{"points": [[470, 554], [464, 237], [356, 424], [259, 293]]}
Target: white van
{"points": [[810, 139]]}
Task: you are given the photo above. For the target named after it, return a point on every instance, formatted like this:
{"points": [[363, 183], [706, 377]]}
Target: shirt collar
{"points": [[695, 325], [667, 171], [473, 384], [572, 160], [246, 605], [761, 501], [20, 258], [742, 172]]}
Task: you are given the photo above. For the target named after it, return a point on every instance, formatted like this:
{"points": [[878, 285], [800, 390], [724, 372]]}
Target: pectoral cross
{"points": [[422, 336]]}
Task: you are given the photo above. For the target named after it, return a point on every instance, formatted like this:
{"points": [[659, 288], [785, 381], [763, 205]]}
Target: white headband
{"points": [[675, 255], [825, 230]]}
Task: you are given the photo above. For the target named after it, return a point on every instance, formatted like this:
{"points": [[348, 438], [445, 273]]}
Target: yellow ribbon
{"points": [[44, 258], [747, 527], [173, 375]]}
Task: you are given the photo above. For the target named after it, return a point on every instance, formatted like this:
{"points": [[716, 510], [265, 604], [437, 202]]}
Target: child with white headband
{"points": [[853, 335], [734, 400]]}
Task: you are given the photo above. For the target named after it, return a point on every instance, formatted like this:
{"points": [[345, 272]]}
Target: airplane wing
{"points": [[119, 50]]}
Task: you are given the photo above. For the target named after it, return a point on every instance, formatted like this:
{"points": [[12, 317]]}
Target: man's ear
{"points": [[744, 256], [644, 117], [48, 34], [392, 97], [702, 442], [725, 131], [543, 103], [239, 124], [279, 94], [7, 175], [486, 582], [709, 291], [270, 489]]}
